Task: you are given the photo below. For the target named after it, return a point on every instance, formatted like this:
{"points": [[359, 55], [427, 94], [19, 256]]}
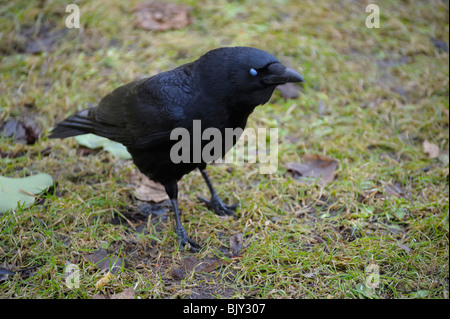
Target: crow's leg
{"points": [[183, 238], [215, 203]]}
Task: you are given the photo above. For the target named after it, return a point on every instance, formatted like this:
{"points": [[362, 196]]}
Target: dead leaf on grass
{"points": [[128, 293], [314, 167], [146, 189], [432, 150], [439, 44], [23, 131], [396, 190], [155, 15], [5, 274], [105, 262]]}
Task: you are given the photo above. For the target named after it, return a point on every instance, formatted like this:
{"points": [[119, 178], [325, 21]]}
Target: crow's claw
{"points": [[183, 240], [218, 207]]}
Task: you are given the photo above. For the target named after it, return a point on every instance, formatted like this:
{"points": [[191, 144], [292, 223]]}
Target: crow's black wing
{"points": [[139, 114]]}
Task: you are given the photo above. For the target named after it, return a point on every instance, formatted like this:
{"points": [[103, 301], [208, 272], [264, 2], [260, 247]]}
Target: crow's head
{"points": [[249, 74]]}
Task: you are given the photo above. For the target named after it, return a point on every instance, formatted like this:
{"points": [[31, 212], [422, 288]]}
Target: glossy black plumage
{"points": [[219, 89]]}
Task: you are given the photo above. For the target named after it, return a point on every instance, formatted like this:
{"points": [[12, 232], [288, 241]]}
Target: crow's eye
{"points": [[253, 72]]}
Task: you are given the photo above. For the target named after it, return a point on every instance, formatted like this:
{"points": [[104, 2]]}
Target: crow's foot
{"points": [[183, 240], [218, 207]]}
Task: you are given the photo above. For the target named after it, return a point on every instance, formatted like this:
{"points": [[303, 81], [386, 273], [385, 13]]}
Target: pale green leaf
{"points": [[19, 191], [93, 141]]}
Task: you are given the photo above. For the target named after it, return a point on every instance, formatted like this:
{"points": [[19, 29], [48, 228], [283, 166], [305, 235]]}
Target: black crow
{"points": [[221, 89]]}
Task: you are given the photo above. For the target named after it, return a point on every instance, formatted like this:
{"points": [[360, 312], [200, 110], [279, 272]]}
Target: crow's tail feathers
{"points": [[76, 124]]}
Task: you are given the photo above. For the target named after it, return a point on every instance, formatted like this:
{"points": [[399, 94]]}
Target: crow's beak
{"points": [[293, 76], [279, 74]]}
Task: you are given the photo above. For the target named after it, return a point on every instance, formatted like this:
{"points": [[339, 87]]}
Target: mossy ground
{"points": [[381, 92]]}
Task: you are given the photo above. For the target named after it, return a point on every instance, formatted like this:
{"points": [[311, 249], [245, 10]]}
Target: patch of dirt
{"points": [[211, 289], [33, 39], [136, 218], [208, 283]]}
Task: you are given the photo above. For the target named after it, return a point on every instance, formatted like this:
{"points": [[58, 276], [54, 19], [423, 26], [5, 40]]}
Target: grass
{"points": [[384, 91]]}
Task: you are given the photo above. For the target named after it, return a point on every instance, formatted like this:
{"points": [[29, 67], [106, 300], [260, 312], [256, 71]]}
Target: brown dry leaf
{"points": [[146, 189], [432, 150], [105, 262], [236, 243], [25, 131], [128, 293], [155, 15], [314, 167], [210, 264], [396, 190]]}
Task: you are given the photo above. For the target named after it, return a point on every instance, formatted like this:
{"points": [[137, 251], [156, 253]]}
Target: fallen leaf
{"points": [[314, 167], [93, 141], [289, 90], [146, 189], [23, 131], [395, 190], [24, 273], [432, 150], [128, 293], [236, 243], [155, 15], [210, 264], [439, 44], [100, 258], [21, 191], [117, 149], [5, 273]]}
